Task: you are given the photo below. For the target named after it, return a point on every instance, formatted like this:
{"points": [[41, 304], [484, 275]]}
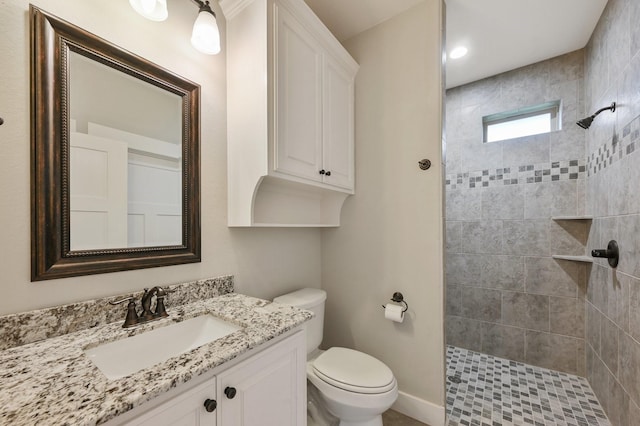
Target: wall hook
{"points": [[1, 121]]}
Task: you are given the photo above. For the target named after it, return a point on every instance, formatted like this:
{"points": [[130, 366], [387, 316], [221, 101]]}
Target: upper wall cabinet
{"points": [[290, 100]]}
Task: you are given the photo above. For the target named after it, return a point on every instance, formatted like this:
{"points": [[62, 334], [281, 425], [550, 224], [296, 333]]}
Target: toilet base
{"points": [[377, 421]]}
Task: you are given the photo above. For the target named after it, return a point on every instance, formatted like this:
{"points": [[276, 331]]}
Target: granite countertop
{"points": [[52, 382]]}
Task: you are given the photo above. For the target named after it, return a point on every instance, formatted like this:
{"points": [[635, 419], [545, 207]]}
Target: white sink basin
{"points": [[124, 357]]}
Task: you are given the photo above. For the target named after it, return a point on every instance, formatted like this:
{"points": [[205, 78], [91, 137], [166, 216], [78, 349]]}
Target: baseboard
{"points": [[419, 409]]}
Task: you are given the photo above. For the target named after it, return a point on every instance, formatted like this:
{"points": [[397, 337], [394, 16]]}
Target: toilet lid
{"points": [[353, 371]]}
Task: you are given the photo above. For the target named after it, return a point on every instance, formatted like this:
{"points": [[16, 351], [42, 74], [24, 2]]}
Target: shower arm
{"points": [[612, 107]]}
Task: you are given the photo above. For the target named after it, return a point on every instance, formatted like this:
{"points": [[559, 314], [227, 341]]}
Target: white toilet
{"points": [[355, 387]]}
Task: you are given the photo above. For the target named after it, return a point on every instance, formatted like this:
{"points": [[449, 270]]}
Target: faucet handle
{"points": [[132, 316], [117, 302]]}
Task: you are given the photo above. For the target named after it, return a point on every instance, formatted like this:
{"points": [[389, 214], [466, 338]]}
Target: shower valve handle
{"points": [[612, 253]]}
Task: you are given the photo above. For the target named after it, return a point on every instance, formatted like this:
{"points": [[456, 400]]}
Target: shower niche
{"points": [[586, 222]]}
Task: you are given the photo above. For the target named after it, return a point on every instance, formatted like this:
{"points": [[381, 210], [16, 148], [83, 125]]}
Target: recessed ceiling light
{"points": [[458, 52]]}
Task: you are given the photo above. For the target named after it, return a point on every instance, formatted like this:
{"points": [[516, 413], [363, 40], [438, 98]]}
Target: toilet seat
{"points": [[353, 371]]}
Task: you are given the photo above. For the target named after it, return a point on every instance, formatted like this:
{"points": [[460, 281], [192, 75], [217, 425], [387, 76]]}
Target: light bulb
{"points": [[206, 37], [148, 6], [154, 10]]}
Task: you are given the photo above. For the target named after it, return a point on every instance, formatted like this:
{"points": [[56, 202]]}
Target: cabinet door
{"points": [[269, 389], [338, 124], [187, 409], [298, 99]]}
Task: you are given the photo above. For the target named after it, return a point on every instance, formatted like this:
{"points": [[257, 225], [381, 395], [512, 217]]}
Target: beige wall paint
{"points": [[391, 236], [266, 262]]}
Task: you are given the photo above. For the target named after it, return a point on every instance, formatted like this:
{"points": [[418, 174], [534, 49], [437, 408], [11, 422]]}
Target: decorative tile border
{"points": [[615, 149], [531, 173], [28, 327]]}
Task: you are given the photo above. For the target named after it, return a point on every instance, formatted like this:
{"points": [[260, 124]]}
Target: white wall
{"points": [[266, 262], [391, 237]]}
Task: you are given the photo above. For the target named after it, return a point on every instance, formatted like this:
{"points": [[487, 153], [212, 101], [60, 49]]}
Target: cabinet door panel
{"points": [[338, 125], [184, 410], [298, 134], [270, 387]]}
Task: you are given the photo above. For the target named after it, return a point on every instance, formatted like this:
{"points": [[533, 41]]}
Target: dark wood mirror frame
{"points": [[51, 257]]}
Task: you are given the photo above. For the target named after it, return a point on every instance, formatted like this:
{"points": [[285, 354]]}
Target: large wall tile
{"points": [[630, 366], [503, 272], [545, 275], [526, 151], [618, 407], [481, 304], [525, 237], [593, 327], [634, 309], [609, 349], [453, 236], [552, 351], [525, 310], [482, 237], [464, 204], [619, 297], [463, 332], [600, 381], [463, 269], [503, 202], [453, 305], [548, 199], [502, 341], [629, 243], [569, 143], [566, 316]]}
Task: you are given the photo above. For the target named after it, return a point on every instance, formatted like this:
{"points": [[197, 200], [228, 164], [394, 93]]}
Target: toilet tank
{"points": [[311, 299]]}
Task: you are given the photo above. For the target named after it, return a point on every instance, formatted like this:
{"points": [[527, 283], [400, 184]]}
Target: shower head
{"points": [[585, 123]]}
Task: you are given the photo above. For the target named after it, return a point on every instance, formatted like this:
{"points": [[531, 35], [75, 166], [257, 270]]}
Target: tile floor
{"points": [[497, 392]]}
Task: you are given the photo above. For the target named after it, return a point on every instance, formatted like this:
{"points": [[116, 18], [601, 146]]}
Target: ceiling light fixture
{"points": [[154, 10], [205, 36], [458, 52]]}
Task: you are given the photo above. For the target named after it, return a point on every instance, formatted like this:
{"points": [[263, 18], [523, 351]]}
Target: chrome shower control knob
{"points": [[230, 392]]}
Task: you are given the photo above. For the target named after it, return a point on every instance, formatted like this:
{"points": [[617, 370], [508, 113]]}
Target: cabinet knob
{"points": [[328, 173], [322, 172], [210, 405], [230, 392]]}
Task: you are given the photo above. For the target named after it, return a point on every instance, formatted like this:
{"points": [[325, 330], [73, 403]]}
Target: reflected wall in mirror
{"points": [[115, 157]]}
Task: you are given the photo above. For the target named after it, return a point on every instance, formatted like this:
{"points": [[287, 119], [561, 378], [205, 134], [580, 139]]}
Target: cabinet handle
{"points": [[322, 172], [328, 173], [230, 392], [210, 405]]}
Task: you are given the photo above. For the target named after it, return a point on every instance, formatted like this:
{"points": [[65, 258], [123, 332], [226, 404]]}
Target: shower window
{"points": [[528, 121]]}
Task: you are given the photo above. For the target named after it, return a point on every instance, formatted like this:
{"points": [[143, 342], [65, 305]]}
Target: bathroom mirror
{"points": [[115, 169]]}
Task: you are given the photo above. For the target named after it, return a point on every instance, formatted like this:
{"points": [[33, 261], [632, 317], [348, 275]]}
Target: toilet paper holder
{"points": [[399, 298]]}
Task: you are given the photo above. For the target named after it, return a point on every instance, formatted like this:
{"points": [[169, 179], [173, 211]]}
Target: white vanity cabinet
{"points": [[265, 388], [290, 111], [187, 409]]}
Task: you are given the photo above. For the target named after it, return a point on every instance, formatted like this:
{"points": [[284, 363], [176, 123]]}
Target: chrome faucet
{"points": [[133, 319]]}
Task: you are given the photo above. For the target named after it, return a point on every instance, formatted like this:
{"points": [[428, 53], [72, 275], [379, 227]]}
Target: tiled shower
{"points": [[512, 205]]}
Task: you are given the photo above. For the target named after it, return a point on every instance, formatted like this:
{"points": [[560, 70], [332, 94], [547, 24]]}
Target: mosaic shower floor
{"points": [[496, 392]]}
